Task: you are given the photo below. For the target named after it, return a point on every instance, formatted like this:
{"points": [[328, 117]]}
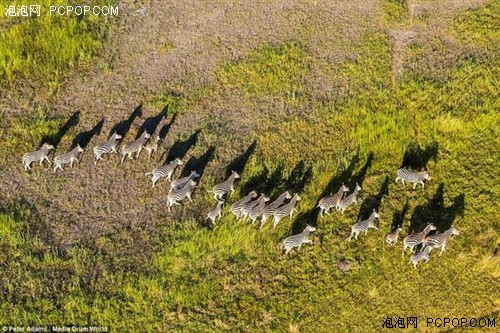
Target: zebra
{"points": [[257, 210], [152, 146], [349, 200], [364, 225], [164, 171], [392, 238], [226, 187], [106, 147], [174, 197], [70, 157], [247, 207], [285, 210], [440, 240], [238, 205], [216, 213], [412, 177], [416, 238], [178, 183], [135, 146], [297, 240], [39, 155], [328, 202], [270, 209], [415, 258]]}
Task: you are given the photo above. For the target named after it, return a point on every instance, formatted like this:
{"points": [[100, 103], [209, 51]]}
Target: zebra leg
{"points": [[423, 186], [414, 185], [47, 158], [188, 195], [442, 250], [123, 158], [41, 161], [397, 178]]}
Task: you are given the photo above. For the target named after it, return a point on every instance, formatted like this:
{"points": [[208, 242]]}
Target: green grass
{"points": [[233, 278], [395, 11], [45, 48]]}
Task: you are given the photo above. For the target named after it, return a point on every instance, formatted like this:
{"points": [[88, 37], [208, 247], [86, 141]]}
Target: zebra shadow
{"points": [[266, 181], [239, 163], [298, 178], [435, 212], [84, 138], [150, 124], [123, 126], [180, 148], [417, 158], [55, 138], [359, 177], [166, 128], [372, 202], [198, 164], [341, 178], [398, 217]]}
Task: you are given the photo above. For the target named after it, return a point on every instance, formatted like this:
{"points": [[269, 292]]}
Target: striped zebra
{"points": [[216, 213], [440, 240], [415, 258], [178, 183], [364, 225], [238, 205], [165, 171], [412, 177], [416, 238], [225, 188], [393, 237], [39, 155], [135, 146], [152, 146], [351, 199], [106, 147], [174, 197], [285, 210], [270, 209], [247, 207], [70, 157], [257, 210], [327, 203], [297, 240]]}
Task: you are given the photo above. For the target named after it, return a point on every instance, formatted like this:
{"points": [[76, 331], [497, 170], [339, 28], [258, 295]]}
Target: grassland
{"points": [[233, 277]]}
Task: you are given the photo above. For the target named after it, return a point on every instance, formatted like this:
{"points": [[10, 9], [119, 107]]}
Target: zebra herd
{"points": [[254, 206]]}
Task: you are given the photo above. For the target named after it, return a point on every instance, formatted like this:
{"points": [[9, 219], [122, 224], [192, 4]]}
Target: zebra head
{"points": [[178, 161], [235, 175], [194, 174], [79, 148], [309, 228], [297, 197], [431, 227], [344, 188], [47, 146], [288, 195], [358, 188], [116, 136], [454, 231], [375, 214], [146, 135], [426, 175]]}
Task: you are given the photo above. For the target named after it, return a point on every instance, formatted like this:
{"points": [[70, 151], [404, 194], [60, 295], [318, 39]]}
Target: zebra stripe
{"points": [[165, 171], [392, 238], [326, 203], [174, 197], [440, 240], [297, 240], [238, 205], [414, 239], [257, 210], [270, 209], [216, 213], [106, 147], [152, 146], [364, 225], [39, 155], [415, 258], [70, 157], [225, 188], [285, 210], [404, 174], [135, 146], [181, 182], [351, 199]]}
